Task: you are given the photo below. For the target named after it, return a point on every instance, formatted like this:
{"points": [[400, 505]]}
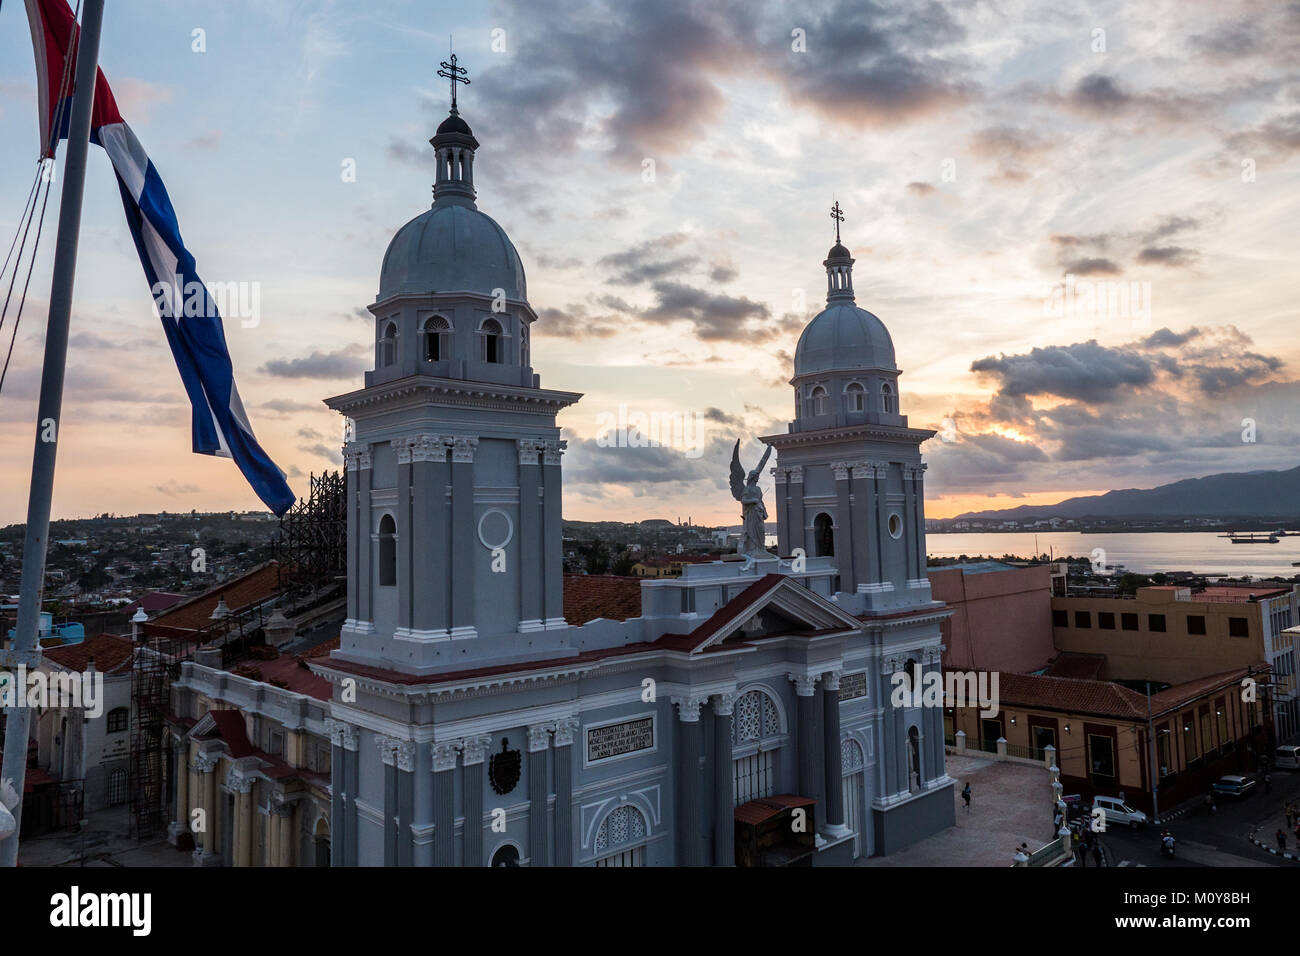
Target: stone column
{"points": [[385, 747], [539, 741], [798, 536], [287, 836], [809, 762], [552, 566], [430, 615], [444, 803], [205, 778], [781, 496], [724, 826], [464, 537], [934, 756], [865, 564], [834, 813], [918, 517], [474, 754], [531, 505], [888, 730], [880, 486], [690, 805], [844, 527], [242, 844], [362, 544], [565, 730], [344, 775], [352, 462], [405, 537], [181, 815]]}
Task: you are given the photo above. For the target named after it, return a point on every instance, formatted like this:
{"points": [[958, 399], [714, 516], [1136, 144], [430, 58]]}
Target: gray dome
{"points": [[843, 337], [452, 248]]}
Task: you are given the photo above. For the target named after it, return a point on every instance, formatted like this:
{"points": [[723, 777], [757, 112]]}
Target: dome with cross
{"points": [[452, 247]]}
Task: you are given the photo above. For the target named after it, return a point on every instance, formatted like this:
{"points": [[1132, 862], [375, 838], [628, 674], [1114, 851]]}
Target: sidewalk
{"points": [[1011, 803], [1264, 834], [104, 842]]}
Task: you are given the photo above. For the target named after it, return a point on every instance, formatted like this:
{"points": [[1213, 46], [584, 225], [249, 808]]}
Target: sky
{"points": [[1078, 222]]}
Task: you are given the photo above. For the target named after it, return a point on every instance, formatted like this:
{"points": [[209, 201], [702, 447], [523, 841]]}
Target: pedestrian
{"points": [[1096, 853], [1290, 817], [1268, 784], [965, 795], [1083, 855], [1281, 841], [1297, 832]]}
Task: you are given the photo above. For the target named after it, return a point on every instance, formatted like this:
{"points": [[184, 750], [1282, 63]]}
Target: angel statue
{"points": [[753, 514]]}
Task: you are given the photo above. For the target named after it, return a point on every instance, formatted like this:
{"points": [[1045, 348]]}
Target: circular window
{"points": [[895, 526], [495, 529]]}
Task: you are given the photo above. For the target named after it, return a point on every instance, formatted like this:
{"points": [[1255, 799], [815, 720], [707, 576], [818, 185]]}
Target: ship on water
{"points": [[1252, 537]]}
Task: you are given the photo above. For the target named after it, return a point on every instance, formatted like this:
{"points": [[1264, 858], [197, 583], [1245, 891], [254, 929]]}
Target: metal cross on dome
{"points": [[838, 215], [454, 73]]}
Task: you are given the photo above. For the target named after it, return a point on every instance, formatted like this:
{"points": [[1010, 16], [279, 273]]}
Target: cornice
{"points": [[455, 392], [892, 433]]}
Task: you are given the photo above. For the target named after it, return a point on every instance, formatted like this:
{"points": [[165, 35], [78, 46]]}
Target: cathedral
{"points": [[740, 714]]}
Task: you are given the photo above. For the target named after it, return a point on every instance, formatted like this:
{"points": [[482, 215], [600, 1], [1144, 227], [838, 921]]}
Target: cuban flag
{"points": [[189, 315]]}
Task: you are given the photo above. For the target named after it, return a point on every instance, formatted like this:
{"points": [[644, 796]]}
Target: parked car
{"points": [[1233, 786], [1287, 758], [1117, 811]]}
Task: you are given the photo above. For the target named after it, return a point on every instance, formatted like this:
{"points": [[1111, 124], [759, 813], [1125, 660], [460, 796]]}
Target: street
{"points": [[1221, 839]]}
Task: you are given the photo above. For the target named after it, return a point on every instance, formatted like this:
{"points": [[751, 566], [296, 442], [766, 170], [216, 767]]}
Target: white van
{"points": [[1117, 811], [1287, 758]]}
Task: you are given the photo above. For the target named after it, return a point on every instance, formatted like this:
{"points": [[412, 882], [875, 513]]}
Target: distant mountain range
{"points": [[1251, 494]]}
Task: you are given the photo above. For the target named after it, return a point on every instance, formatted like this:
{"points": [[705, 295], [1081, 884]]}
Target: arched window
{"points": [[888, 400], [856, 396], [823, 535], [913, 758], [388, 344], [118, 719], [436, 335], [755, 731], [507, 855], [490, 335], [387, 552], [117, 787], [321, 843], [625, 828], [819, 400]]}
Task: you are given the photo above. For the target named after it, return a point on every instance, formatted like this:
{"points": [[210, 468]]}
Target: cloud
{"points": [[646, 261], [1168, 256], [1084, 370], [1092, 266], [920, 189], [346, 362], [174, 488], [712, 315]]}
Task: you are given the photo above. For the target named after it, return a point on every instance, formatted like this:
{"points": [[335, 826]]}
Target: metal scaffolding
{"points": [[312, 547]]}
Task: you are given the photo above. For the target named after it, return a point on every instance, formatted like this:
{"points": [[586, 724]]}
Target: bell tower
{"points": [[849, 477], [453, 454]]}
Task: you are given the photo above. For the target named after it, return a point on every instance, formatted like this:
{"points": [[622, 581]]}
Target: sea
{"points": [[1201, 552]]}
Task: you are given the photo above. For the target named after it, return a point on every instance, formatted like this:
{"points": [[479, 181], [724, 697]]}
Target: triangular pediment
{"points": [[774, 605]]}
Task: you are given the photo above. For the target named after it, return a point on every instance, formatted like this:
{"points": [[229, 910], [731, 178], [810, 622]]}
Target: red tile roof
{"points": [[154, 601], [1103, 698], [252, 588], [111, 653], [231, 729], [591, 596]]}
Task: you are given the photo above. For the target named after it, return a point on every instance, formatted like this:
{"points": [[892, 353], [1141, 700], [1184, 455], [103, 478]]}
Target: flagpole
{"points": [[48, 422]]}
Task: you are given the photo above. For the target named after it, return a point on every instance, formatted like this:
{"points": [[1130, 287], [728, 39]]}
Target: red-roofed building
{"points": [[84, 741], [1101, 733], [1174, 634]]}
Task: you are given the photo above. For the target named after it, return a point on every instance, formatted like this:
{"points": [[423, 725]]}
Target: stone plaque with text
{"points": [[614, 740]]}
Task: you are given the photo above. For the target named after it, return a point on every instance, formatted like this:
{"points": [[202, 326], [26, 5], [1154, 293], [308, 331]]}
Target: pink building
{"points": [[1002, 616]]}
